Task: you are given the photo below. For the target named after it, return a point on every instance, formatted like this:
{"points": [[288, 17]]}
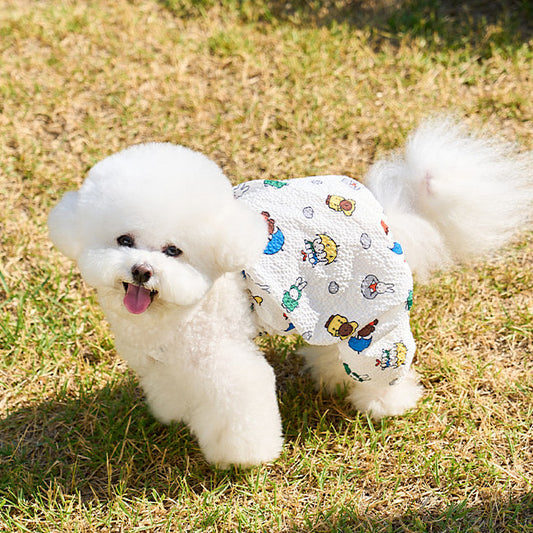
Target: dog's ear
{"points": [[239, 236], [63, 225]]}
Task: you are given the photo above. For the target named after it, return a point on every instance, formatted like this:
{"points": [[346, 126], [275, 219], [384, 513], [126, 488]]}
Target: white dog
{"points": [[189, 269]]}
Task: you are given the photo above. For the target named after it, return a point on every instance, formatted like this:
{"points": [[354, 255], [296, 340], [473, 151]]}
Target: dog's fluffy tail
{"points": [[452, 195]]}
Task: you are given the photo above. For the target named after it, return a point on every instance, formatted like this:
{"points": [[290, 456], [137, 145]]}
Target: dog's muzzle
{"points": [[138, 297]]}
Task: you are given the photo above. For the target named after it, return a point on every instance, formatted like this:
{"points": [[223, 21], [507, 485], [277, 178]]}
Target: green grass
{"points": [[272, 90]]}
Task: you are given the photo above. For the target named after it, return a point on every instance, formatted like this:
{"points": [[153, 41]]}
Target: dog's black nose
{"points": [[142, 273]]}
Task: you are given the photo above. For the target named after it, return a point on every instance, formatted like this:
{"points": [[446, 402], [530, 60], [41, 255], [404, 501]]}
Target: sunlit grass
{"points": [[267, 89]]}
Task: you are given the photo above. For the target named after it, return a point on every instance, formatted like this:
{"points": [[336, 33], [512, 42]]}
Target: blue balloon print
{"points": [[397, 248], [358, 344], [277, 239]]}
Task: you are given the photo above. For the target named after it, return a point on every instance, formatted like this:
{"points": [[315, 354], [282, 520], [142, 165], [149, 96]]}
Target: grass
{"points": [[271, 90]]}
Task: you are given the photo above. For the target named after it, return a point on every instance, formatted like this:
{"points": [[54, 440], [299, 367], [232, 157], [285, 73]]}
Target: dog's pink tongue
{"points": [[137, 299]]}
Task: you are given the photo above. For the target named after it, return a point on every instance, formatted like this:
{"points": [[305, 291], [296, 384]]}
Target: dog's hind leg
{"points": [[377, 399], [325, 365]]}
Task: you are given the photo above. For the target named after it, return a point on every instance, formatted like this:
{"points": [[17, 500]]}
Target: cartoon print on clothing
{"points": [[343, 205], [409, 302], [351, 183], [276, 239], [371, 287], [308, 211], [254, 300], [365, 241], [334, 266], [339, 326], [361, 378], [333, 287], [290, 325], [240, 190], [367, 330], [397, 248], [393, 357], [275, 183], [262, 286], [362, 340], [293, 295], [322, 249], [358, 344]]}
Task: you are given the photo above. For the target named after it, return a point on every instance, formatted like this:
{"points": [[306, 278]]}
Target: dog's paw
{"points": [[242, 450], [394, 400]]}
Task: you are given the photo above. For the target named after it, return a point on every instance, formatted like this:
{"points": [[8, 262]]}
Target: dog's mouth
{"points": [[137, 298]]}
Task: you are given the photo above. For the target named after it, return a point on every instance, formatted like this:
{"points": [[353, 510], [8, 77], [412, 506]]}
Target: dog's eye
{"points": [[126, 240], [172, 251]]}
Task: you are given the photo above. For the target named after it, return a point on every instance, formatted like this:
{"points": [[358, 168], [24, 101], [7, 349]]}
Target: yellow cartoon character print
{"points": [[340, 326], [343, 205], [394, 357], [322, 249]]}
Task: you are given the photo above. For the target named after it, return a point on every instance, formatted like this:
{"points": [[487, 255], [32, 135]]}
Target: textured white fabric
{"points": [[332, 273]]}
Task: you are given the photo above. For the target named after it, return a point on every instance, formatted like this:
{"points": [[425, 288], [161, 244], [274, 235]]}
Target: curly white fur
{"points": [[190, 333], [451, 195]]}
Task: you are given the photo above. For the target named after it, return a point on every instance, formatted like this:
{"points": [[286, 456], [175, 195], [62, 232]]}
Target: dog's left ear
{"points": [[239, 236], [63, 225]]}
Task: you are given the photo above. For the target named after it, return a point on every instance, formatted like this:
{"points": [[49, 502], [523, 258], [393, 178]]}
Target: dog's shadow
{"points": [[99, 443], [89, 443]]}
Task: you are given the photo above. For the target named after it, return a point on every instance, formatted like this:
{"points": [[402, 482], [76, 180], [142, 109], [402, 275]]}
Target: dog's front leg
{"points": [[235, 415]]}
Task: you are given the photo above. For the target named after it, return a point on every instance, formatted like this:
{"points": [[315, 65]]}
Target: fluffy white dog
{"points": [[189, 269]]}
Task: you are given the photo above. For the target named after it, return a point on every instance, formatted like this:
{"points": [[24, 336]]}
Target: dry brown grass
{"points": [[291, 90]]}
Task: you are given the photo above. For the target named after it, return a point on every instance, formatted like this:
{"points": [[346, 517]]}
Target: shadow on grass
{"points": [[90, 444], [100, 443], [479, 24], [104, 444], [511, 516]]}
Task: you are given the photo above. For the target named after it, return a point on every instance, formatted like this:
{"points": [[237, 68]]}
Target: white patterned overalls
{"points": [[332, 273]]}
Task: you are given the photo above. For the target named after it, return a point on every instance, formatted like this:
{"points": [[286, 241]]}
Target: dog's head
{"points": [[156, 221]]}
